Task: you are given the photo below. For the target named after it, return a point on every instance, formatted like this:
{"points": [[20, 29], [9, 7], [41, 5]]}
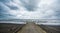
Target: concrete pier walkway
{"points": [[31, 28]]}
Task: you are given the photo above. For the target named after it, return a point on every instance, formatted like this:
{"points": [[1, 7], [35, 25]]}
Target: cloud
{"points": [[30, 9], [30, 5], [4, 11]]}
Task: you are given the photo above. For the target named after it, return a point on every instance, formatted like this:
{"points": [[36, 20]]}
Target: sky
{"points": [[29, 9]]}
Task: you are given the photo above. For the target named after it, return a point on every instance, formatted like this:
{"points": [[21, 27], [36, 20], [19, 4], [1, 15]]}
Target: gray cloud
{"points": [[4, 11], [20, 9], [30, 5]]}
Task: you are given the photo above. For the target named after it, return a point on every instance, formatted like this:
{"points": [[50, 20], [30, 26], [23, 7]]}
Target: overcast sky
{"points": [[30, 9]]}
